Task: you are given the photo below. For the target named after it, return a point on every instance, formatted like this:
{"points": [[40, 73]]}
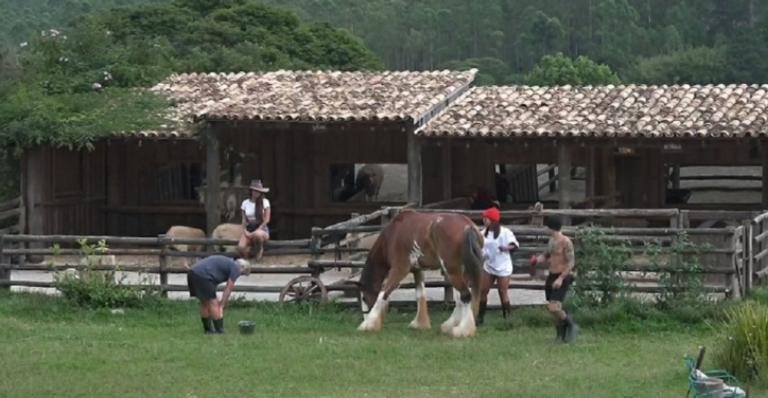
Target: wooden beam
{"points": [[564, 176], [590, 175], [446, 171], [765, 174], [414, 169], [212, 176]]}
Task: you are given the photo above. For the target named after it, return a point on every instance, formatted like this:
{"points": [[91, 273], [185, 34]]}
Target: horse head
{"points": [[374, 272]]}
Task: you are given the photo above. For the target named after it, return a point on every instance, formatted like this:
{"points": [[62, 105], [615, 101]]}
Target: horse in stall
{"points": [[413, 242]]}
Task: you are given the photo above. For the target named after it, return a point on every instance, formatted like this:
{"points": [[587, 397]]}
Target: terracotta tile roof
{"points": [[313, 96], [606, 111]]}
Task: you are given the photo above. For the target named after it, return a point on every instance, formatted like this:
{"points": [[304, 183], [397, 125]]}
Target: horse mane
{"points": [[377, 263]]}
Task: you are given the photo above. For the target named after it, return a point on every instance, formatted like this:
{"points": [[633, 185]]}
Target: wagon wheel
{"points": [[304, 289]]}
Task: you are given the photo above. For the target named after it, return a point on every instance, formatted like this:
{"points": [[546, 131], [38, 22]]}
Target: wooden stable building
{"points": [[629, 142], [293, 130], [301, 131]]}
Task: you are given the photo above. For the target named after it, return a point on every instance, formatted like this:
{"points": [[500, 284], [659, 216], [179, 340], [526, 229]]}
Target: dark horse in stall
{"points": [[414, 242]]}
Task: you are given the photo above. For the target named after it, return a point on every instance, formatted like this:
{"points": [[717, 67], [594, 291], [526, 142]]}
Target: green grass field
{"points": [[50, 349]]}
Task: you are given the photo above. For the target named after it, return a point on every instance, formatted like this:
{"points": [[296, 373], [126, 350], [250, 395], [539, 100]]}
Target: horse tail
{"points": [[472, 256]]}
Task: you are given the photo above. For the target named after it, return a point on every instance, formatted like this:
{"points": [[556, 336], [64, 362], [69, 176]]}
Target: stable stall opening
{"points": [[368, 182], [522, 184]]}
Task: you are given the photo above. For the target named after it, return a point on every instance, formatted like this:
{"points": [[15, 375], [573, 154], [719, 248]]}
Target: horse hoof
{"points": [[369, 327], [459, 331], [419, 326], [447, 328]]}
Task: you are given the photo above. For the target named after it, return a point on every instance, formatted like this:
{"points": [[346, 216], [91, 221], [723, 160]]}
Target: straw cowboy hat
{"points": [[256, 185]]}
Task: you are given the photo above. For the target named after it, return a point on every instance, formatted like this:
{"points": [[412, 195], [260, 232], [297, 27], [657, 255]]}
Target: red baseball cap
{"points": [[493, 214]]}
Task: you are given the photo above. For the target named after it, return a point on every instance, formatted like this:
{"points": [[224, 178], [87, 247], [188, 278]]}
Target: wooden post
{"points": [[734, 277], [676, 177], [414, 169], [447, 171], [590, 176], [315, 244], [5, 273], [162, 259], [765, 174], [746, 255], [552, 181], [212, 175], [564, 178]]}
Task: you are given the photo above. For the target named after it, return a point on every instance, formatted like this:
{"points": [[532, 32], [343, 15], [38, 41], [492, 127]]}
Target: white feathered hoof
{"points": [[370, 325], [466, 330], [416, 325]]}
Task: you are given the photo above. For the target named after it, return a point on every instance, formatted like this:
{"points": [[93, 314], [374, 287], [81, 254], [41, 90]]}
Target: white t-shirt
{"points": [[497, 262], [249, 208]]}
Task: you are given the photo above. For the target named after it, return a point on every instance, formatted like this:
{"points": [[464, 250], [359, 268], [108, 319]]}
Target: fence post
{"points": [[316, 242], [5, 273], [746, 255], [735, 277], [162, 241], [552, 180]]}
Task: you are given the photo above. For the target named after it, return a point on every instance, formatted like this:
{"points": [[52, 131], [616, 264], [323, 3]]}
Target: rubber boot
{"points": [[560, 328], [481, 313], [207, 325], [506, 310], [218, 325], [571, 330]]}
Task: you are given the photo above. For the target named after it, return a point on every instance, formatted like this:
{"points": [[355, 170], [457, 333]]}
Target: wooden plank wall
{"points": [[294, 159]]}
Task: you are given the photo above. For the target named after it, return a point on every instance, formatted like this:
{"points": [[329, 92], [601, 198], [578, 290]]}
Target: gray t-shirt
{"points": [[217, 269]]}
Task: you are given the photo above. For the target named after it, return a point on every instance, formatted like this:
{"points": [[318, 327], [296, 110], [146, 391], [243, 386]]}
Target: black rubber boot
{"points": [[571, 330], [560, 331], [481, 313], [218, 325], [207, 325], [506, 310]]}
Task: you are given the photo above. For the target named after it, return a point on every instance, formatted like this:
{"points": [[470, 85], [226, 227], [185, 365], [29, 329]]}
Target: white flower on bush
{"points": [[63, 59], [23, 44], [107, 76], [96, 86]]}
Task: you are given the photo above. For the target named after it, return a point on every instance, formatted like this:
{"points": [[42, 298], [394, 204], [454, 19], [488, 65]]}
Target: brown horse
{"points": [[413, 242]]}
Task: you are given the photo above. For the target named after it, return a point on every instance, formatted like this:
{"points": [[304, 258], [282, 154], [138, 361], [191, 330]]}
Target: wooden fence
{"points": [[734, 258]]}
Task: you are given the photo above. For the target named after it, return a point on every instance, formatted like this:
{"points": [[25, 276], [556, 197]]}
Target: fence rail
{"points": [[736, 257]]}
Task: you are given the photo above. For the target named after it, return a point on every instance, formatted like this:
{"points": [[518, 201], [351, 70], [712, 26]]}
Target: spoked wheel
{"points": [[304, 289]]}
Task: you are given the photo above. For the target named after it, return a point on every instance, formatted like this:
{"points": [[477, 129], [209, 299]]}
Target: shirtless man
{"points": [[561, 258]]}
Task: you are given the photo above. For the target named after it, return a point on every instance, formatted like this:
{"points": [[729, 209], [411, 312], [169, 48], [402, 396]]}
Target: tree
{"points": [[79, 83], [701, 65], [558, 69]]}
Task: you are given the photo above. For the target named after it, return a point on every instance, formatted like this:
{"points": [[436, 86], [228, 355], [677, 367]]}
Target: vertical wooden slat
{"points": [[414, 169], [212, 176], [162, 259], [564, 179], [5, 274], [765, 175], [446, 171]]}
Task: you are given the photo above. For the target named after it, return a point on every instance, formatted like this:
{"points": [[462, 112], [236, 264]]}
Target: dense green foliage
{"points": [[743, 347], [639, 39], [78, 83]]}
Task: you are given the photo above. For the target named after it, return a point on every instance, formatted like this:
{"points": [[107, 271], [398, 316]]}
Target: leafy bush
{"points": [[681, 279], [743, 348], [600, 262], [99, 289]]}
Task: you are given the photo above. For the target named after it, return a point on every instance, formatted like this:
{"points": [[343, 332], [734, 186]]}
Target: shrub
{"points": [[681, 278], [600, 262], [99, 289], [743, 348]]}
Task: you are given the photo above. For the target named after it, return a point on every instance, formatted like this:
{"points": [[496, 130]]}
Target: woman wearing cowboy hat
{"points": [[256, 215]]}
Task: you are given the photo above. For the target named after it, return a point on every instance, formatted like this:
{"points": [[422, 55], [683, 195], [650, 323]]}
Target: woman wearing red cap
{"points": [[499, 243]]}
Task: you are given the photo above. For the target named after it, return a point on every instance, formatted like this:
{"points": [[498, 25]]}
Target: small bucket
{"points": [[246, 327]]}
